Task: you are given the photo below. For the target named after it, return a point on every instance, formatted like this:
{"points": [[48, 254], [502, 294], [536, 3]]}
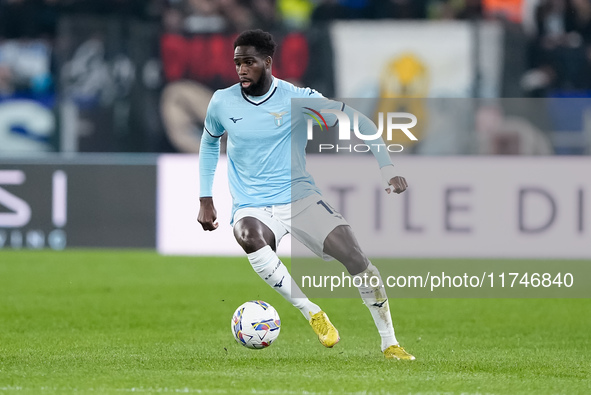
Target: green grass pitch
{"points": [[125, 321]]}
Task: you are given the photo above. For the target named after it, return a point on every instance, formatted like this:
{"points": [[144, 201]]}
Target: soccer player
{"points": [[272, 192]]}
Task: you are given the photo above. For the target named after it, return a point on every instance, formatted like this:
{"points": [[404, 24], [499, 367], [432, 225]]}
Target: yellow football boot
{"points": [[327, 333], [397, 352]]}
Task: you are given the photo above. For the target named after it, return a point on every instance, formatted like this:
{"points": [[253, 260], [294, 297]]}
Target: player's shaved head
{"points": [[262, 41]]}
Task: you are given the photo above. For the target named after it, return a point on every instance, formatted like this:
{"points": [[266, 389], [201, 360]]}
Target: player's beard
{"points": [[255, 88]]}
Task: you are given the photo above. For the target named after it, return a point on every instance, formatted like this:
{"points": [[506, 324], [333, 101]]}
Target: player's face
{"points": [[254, 70]]}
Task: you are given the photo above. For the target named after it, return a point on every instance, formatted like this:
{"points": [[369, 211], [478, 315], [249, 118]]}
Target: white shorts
{"points": [[308, 220]]}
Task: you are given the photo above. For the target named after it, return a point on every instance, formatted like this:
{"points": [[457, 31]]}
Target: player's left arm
{"points": [[392, 182]]}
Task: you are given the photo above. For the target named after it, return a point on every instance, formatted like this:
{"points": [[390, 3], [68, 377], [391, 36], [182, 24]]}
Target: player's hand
{"points": [[391, 181], [397, 184], [207, 214]]}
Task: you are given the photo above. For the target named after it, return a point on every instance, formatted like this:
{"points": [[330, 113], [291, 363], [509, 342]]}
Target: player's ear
{"points": [[268, 61]]}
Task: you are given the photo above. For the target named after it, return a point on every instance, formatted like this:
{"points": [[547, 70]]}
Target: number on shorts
{"points": [[326, 206]]}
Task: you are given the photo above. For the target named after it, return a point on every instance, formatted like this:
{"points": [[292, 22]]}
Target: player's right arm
{"points": [[209, 153]]}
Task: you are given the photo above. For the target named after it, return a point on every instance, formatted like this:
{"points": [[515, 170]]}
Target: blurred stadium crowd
{"points": [[40, 58], [559, 31]]}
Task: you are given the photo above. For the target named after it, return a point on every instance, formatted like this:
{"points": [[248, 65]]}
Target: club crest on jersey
{"points": [[278, 117]]}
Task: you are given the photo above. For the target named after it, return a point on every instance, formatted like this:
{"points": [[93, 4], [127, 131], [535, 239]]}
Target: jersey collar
{"points": [[258, 100]]}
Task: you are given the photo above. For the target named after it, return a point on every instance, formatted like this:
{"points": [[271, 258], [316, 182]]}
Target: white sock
{"points": [[268, 266], [376, 300]]}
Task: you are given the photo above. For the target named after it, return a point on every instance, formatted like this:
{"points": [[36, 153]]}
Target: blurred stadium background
{"points": [[99, 100], [101, 111]]}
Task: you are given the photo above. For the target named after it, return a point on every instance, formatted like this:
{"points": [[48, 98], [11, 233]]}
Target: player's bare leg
{"points": [[342, 245], [252, 235], [258, 241]]}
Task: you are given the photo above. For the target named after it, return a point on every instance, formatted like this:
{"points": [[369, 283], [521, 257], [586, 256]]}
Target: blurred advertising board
{"points": [[178, 231], [88, 202], [482, 207]]}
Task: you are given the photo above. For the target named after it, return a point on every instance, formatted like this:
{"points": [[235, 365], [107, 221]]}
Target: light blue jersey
{"points": [[266, 163], [267, 143]]}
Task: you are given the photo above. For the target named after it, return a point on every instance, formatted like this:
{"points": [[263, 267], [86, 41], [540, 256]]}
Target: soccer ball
{"points": [[256, 324]]}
